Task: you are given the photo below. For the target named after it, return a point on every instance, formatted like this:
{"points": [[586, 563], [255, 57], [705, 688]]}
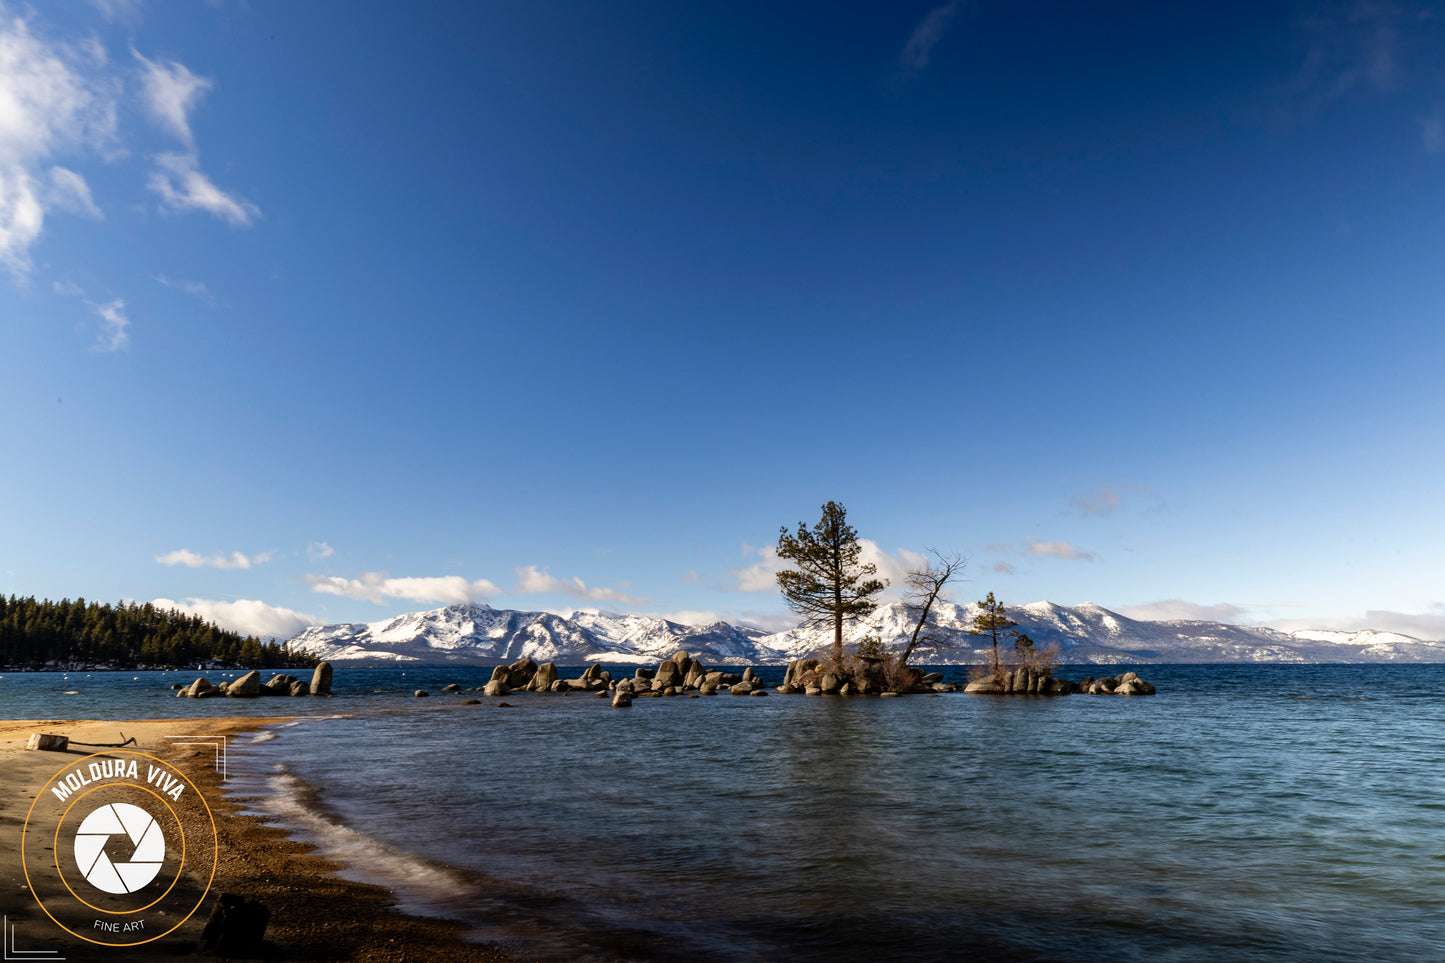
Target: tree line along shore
{"points": [[73, 635]]}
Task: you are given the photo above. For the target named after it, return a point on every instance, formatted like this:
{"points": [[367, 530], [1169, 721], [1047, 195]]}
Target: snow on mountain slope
{"points": [[479, 634], [655, 639], [1091, 633], [470, 632]]}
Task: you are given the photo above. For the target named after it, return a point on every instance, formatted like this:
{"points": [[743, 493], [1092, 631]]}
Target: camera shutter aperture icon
{"points": [[120, 819]]}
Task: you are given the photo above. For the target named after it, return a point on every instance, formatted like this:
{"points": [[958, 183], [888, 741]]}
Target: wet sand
{"points": [[315, 915]]}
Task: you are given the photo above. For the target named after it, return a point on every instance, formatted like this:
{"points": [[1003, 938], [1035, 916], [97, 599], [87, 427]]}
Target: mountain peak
{"points": [[476, 633]]}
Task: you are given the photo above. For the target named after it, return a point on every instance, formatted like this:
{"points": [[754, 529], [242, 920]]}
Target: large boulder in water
{"points": [[683, 661], [200, 689], [668, 674], [543, 678], [299, 688], [520, 673], [321, 679], [797, 669], [279, 685], [496, 689], [246, 687]]}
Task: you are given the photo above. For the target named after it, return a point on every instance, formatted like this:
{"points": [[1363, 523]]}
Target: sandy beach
{"points": [[315, 915]]}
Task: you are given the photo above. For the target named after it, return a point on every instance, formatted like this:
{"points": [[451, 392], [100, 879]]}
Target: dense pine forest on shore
{"points": [[40, 634]]}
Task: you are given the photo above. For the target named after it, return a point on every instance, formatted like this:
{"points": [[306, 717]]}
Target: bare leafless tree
{"points": [[925, 590]]}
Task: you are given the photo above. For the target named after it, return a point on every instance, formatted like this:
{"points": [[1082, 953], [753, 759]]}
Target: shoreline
{"points": [[315, 913]]}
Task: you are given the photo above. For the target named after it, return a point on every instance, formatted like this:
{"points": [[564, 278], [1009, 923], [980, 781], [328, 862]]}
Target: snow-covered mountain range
{"points": [[478, 634]]}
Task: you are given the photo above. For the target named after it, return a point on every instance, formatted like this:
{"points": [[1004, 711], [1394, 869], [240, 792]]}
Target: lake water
{"points": [[1244, 813]]}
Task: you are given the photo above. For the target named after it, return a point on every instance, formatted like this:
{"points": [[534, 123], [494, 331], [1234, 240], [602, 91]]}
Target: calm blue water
{"points": [[1244, 813]]}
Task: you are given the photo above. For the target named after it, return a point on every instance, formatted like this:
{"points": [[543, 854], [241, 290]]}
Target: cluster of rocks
{"points": [[811, 677], [524, 675], [1126, 684], [674, 676], [1029, 681], [681, 674], [249, 686]]}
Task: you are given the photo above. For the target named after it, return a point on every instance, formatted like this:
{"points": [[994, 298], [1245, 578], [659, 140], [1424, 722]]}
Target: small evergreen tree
{"points": [[830, 586], [992, 621]]}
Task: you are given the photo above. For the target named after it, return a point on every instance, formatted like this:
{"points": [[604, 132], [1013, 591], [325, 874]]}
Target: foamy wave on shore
{"points": [[420, 885]]}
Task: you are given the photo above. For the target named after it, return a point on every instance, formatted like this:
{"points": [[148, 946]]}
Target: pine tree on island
{"points": [[830, 585], [992, 621]]}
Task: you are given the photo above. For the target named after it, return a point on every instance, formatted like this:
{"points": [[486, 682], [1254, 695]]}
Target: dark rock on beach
{"points": [[237, 927]]}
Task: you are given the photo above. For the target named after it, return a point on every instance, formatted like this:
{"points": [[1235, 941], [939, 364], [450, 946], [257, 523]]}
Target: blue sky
{"points": [[329, 311]]}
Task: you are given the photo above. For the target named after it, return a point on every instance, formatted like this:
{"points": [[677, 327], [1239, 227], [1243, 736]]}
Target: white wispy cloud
{"points": [[1432, 133], [1046, 549], [378, 586], [170, 91], [196, 289], [124, 11], [1108, 499], [114, 326], [893, 567], [688, 616], [70, 193], [762, 574], [930, 30], [190, 559], [181, 186], [1104, 500], [1428, 625], [534, 581], [767, 621], [1166, 610], [319, 550], [759, 576], [51, 103], [59, 99], [1060, 550], [1348, 48], [1002, 568], [247, 616]]}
